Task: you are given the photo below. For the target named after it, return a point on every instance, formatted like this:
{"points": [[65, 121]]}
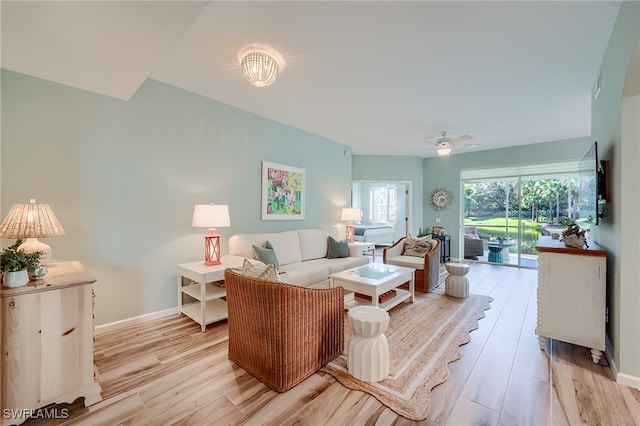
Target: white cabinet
{"points": [[47, 342], [571, 295]]}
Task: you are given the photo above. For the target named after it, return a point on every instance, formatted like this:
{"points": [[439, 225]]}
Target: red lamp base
{"points": [[351, 232], [212, 248]]}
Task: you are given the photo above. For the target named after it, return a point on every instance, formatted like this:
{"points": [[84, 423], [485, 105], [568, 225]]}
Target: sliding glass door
{"points": [[510, 213]]}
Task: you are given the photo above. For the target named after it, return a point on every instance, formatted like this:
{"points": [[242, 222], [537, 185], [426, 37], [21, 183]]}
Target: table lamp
{"points": [[32, 221], [350, 214], [211, 216]]}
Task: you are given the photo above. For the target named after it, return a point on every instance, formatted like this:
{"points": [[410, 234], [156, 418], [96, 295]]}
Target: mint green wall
{"points": [[394, 168], [445, 172], [123, 177], [623, 295]]}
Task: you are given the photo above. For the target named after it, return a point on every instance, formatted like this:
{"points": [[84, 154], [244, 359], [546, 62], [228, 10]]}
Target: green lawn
{"points": [[494, 227]]}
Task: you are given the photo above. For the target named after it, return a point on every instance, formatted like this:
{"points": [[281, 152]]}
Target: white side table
{"points": [[360, 248], [456, 284], [197, 280], [368, 350]]}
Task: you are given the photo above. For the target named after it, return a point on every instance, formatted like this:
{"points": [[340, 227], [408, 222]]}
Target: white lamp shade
{"points": [[211, 216], [351, 213]]}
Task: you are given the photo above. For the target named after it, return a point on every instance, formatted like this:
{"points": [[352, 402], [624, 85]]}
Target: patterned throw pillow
{"points": [[267, 273], [417, 247]]}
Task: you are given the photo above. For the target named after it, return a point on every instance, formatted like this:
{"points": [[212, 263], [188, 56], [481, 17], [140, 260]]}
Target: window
{"points": [[383, 204]]}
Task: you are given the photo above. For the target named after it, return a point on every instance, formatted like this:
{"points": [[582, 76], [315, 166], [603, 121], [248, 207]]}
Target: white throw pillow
{"points": [[267, 273]]}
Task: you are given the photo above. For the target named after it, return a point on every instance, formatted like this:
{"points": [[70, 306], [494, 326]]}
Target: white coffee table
{"points": [[373, 280]]}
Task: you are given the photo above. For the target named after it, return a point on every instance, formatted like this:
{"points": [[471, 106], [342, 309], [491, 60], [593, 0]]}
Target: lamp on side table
{"points": [[211, 216], [350, 214]]}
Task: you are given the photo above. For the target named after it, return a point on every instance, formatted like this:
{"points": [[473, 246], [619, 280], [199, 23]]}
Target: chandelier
{"points": [[260, 68]]}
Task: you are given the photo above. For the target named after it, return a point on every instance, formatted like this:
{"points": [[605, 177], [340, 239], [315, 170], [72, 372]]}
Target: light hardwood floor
{"points": [[167, 372]]}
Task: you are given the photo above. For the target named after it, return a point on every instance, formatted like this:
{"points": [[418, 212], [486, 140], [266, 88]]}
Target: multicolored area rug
{"points": [[424, 337]]}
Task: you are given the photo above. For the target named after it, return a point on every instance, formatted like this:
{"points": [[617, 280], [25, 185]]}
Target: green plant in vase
{"points": [[500, 238], [16, 263]]}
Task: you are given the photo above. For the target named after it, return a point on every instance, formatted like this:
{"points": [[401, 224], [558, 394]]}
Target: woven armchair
{"points": [[282, 333], [474, 243], [473, 248]]}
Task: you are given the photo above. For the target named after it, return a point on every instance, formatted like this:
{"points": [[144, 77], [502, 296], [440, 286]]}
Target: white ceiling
{"points": [[378, 76]]}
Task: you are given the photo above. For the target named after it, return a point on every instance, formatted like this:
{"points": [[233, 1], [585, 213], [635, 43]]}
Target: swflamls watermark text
{"points": [[37, 413]]}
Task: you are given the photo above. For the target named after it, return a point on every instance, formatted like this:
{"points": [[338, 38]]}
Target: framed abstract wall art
{"points": [[282, 192]]}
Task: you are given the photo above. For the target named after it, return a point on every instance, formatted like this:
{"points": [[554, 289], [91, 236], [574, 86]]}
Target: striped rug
{"points": [[424, 337]]}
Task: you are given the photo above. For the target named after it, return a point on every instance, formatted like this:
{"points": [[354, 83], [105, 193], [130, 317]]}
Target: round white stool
{"points": [[368, 351], [456, 284]]}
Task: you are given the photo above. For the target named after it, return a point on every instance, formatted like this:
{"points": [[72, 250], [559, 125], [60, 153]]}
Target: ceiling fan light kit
{"points": [[444, 151], [444, 145]]}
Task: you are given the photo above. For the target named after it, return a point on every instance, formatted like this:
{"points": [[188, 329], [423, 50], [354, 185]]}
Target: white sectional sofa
{"points": [[301, 253]]}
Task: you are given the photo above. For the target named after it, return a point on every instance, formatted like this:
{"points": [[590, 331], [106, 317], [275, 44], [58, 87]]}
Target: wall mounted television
{"points": [[593, 186]]}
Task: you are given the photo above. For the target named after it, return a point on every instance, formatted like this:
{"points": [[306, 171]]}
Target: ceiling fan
{"points": [[443, 145]]}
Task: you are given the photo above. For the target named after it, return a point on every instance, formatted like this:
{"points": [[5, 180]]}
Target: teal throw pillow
{"points": [[337, 249], [266, 254]]}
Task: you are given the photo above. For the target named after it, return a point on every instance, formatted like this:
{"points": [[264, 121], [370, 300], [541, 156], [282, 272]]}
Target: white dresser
{"points": [[572, 294]]}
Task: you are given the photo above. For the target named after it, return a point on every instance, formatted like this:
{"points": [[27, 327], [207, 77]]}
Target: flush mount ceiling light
{"points": [[260, 66]]}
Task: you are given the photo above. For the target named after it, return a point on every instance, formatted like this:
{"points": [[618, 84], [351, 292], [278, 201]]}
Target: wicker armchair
{"points": [[474, 243], [427, 267], [282, 333], [473, 248]]}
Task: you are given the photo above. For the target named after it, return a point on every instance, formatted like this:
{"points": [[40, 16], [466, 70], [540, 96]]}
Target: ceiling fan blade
{"points": [[462, 138], [468, 145]]}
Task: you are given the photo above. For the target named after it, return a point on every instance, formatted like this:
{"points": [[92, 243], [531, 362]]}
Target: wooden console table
{"points": [[571, 294], [47, 342]]}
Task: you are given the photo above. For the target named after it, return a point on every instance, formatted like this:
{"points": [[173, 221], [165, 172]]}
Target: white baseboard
{"points": [[621, 378], [116, 325], [628, 380]]}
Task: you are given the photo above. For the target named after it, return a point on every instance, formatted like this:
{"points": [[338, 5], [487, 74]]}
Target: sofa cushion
{"points": [[307, 273], [337, 249], [285, 244], [408, 261], [417, 246], [344, 263], [313, 243], [266, 254]]}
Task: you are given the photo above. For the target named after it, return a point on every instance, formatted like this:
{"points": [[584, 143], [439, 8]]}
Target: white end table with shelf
{"points": [[196, 280], [361, 248]]}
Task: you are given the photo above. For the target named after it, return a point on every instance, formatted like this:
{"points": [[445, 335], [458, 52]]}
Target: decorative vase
{"points": [[38, 273], [574, 241], [15, 278]]}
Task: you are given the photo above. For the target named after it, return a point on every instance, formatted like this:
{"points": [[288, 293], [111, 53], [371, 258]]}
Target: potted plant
{"points": [[573, 235], [16, 263]]}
